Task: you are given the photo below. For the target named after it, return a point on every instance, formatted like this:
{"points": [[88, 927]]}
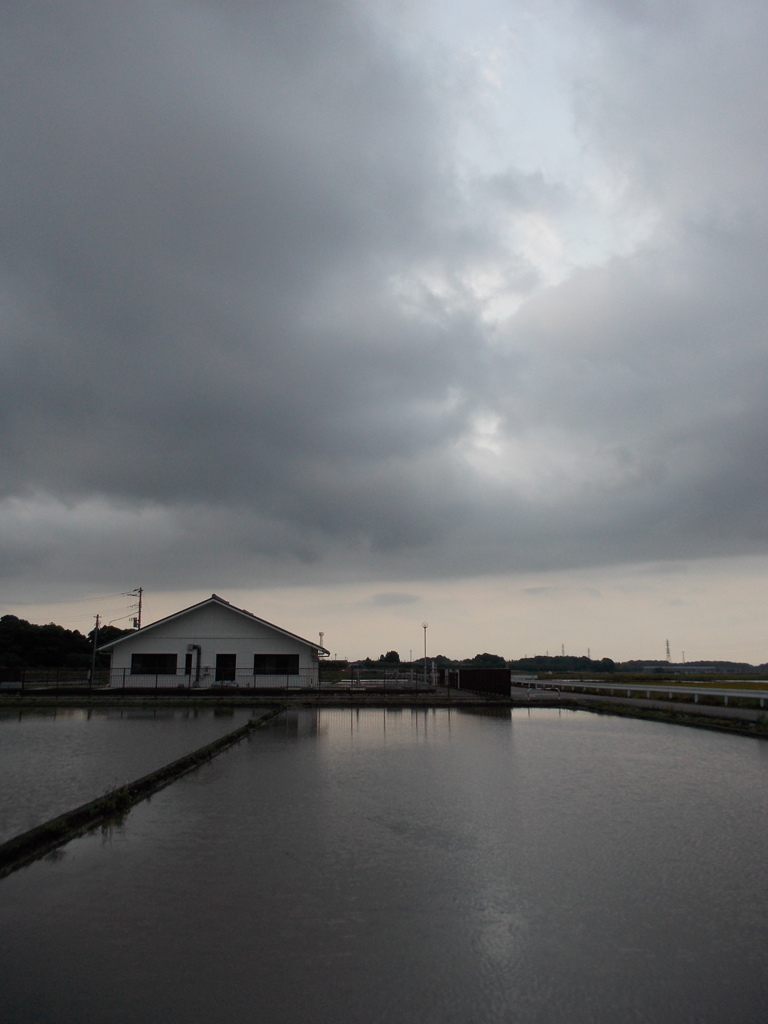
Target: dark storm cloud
{"points": [[179, 204], [240, 330]]}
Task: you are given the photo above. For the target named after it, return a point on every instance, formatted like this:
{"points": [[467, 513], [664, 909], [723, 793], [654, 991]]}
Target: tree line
{"points": [[557, 663], [26, 645], [540, 663]]}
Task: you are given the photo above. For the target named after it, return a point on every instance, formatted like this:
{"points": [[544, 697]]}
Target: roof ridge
{"points": [[227, 604]]}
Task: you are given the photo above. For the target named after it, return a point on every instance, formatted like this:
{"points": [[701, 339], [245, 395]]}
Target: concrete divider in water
{"points": [[43, 839]]}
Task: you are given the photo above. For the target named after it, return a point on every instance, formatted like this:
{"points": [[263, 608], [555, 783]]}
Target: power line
{"points": [[134, 613]]}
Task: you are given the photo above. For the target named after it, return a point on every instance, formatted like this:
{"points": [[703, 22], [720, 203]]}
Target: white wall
{"points": [[218, 630]]}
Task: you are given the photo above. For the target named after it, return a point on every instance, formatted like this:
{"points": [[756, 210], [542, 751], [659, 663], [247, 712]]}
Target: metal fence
{"points": [[62, 680], [111, 680], [20, 680], [240, 679], [380, 678]]}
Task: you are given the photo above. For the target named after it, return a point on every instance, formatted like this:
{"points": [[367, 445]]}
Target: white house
{"points": [[213, 642]]}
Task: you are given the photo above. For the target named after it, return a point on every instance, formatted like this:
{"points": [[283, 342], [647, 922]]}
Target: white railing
{"points": [[650, 692]]}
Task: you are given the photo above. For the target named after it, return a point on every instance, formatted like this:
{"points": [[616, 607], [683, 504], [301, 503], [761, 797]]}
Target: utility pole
{"points": [[95, 645], [669, 656], [135, 619]]}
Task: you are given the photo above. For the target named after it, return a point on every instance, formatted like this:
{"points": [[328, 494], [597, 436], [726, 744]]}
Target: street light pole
{"points": [[424, 627]]}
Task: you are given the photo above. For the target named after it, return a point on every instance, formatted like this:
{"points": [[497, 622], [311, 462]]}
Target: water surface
{"points": [[412, 867], [52, 760]]}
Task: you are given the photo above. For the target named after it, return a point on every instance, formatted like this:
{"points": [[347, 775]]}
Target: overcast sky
{"points": [[367, 313]]}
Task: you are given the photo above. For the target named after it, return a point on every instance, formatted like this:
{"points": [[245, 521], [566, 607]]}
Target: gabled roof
{"points": [[215, 600]]}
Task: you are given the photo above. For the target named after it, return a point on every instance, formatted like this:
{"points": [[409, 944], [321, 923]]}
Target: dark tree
{"points": [[488, 661], [109, 633], [25, 645]]}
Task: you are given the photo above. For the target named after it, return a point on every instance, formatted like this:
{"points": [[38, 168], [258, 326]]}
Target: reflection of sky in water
{"points": [[414, 866], [52, 761]]}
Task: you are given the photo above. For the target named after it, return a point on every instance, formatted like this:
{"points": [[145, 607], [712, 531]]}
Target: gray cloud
{"points": [[242, 313], [388, 599]]}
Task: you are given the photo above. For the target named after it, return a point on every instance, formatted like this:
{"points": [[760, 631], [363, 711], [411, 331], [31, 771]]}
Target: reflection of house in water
{"points": [[210, 643], [298, 723]]}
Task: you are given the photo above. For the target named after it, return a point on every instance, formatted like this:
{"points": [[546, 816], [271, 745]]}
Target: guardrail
{"points": [[686, 695]]}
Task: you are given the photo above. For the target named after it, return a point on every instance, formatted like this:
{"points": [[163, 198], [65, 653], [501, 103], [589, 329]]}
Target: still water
{"points": [[54, 760], [414, 866]]}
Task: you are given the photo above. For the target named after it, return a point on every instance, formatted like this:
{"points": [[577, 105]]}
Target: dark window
{"points": [[275, 664], [153, 664], [225, 667]]}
